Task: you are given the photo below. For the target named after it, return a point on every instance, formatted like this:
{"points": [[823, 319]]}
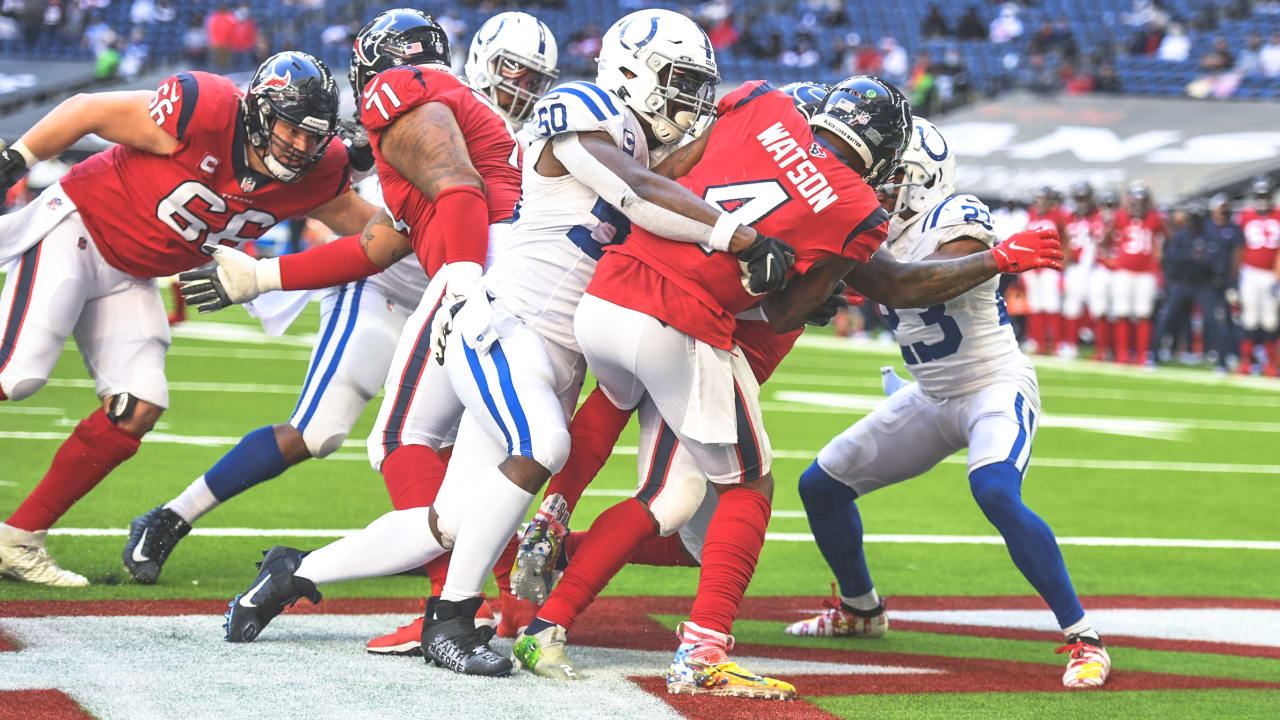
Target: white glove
{"points": [[234, 278], [463, 279]]}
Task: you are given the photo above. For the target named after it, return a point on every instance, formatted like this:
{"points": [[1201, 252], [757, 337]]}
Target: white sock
{"points": [[1082, 628], [194, 502], [398, 541], [869, 601], [488, 523]]}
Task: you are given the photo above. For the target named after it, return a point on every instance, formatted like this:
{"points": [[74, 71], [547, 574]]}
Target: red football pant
{"points": [[729, 555], [608, 546], [94, 449], [592, 434]]}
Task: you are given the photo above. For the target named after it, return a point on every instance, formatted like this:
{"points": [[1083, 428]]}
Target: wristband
{"points": [[722, 232], [21, 148], [336, 263]]}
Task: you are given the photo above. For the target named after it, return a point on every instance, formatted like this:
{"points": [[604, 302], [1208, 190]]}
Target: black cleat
{"points": [[152, 537], [273, 590], [451, 640]]}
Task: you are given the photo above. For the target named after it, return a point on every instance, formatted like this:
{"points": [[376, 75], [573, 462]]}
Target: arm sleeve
{"points": [[652, 217], [460, 225], [341, 261]]}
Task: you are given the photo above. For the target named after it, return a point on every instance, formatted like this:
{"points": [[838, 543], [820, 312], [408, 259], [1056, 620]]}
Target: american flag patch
{"points": [[54, 203]]}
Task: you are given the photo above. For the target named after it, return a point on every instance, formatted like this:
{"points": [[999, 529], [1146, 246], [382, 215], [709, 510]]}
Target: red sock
{"points": [[609, 543], [1144, 339], [1122, 333], [94, 449], [664, 552], [729, 557], [593, 433], [413, 474], [1059, 326], [502, 569], [1071, 336], [438, 571], [1101, 337], [3, 397], [1246, 352]]}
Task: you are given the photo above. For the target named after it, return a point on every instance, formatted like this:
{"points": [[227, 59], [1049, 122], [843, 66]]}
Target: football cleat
{"points": [[514, 615], [275, 588], [702, 667], [407, 639], [1089, 665], [151, 538], [840, 620], [450, 639], [23, 557], [533, 574], [543, 654]]}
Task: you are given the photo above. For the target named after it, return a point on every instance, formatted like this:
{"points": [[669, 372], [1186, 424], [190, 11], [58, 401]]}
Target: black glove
{"points": [[359, 153], [822, 315], [12, 167], [765, 265], [203, 290]]}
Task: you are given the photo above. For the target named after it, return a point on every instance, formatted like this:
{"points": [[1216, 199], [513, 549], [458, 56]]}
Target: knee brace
{"points": [[322, 438], [676, 504], [120, 408], [552, 450], [24, 388]]}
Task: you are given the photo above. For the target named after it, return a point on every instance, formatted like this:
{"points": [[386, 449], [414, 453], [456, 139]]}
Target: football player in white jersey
{"points": [[512, 62], [512, 360], [974, 388]]}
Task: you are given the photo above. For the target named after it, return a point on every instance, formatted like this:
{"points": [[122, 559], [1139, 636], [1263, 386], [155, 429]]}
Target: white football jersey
{"points": [[561, 226], [957, 347]]}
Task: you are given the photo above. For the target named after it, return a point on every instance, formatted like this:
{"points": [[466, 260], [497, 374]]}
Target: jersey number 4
{"points": [[920, 352], [747, 202], [178, 211]]}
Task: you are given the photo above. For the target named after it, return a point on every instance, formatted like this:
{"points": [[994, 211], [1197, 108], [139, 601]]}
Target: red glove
{"points": [[1028, 250], [855, 299]]}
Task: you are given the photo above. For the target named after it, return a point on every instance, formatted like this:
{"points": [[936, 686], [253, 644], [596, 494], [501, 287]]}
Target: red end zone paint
{"points": [[39, 705]]}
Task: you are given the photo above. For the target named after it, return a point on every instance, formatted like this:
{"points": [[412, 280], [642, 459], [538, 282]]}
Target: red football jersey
{"points": [[1138, 240], [1056, 215], [763, 164], [154, 215], [493, 149], [1084, 235], [762, 347], [1261, 238]]}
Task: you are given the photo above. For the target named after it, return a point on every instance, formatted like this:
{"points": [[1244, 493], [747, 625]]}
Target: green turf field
{"points": [[1125, 461]]}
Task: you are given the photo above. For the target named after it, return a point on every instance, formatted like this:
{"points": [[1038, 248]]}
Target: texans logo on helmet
{"points": [[273, 82]]}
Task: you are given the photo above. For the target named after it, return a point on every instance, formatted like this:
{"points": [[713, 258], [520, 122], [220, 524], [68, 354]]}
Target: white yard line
{"points": [[778, 537], [1152, 465]]}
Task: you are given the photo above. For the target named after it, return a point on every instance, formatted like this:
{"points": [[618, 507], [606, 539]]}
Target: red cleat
{"points": [[407, 639], [513, 615]]}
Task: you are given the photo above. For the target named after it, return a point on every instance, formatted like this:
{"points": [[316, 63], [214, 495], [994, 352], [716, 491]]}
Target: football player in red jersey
{"points": [[659, 320], [1044, 286], [1259, 278], [197, 166], [1138, 236], [1085, 229]]}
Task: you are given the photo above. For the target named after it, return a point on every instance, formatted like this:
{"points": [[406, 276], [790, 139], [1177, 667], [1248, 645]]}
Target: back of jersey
{"points": [[954, 348], [763, 165], [562, 226], [492, 148]]}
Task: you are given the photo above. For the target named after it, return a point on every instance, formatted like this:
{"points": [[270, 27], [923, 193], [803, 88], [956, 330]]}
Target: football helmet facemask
{"points": [[926, 174], [512, 61], [290, 113], [661, 65]]}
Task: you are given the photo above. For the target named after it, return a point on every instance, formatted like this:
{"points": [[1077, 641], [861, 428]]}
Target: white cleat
{"points": [[1089, 666], [891, 381], [23, 557]]}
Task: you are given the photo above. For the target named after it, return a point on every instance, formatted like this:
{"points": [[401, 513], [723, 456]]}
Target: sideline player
{"points": [[1138, 235], [197, 166], [1260, 280], [585, 184], [658, 320], [1044, 285], [360, 325], [1085, 230], [976, 389]]}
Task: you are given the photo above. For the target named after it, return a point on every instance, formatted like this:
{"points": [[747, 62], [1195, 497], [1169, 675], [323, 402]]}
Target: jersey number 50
{"points": [[178, 211]]}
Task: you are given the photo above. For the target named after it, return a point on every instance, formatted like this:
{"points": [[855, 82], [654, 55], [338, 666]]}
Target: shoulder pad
{"points": [[744, 94], [394, 92], [959, 216], [577, 107], [173, 106]]}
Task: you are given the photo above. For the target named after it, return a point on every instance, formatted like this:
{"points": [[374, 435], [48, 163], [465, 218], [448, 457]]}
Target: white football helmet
{"points": [[512, 54], [660, 64], [927, 172]]}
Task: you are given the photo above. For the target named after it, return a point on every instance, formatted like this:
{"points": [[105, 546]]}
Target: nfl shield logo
{"points": [[247, 184], [861, 118], [54, 203]]}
